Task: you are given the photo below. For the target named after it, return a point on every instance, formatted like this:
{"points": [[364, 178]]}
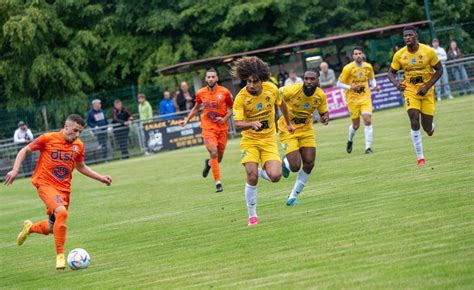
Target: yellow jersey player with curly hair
{"points": [[254, 114]]}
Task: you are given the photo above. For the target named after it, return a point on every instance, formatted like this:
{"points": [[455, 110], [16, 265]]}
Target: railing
{"points": [[112, 142]]}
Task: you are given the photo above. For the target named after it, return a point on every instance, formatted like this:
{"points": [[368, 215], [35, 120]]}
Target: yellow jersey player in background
{"points": [[355, 80], [300, 147], [422, 69], [254, 114]]}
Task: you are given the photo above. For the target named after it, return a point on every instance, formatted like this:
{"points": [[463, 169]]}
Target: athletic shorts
{"points": [[259, 151], [215, 138], [300, 138], [356, 110], [425, 105], [53, 198]]}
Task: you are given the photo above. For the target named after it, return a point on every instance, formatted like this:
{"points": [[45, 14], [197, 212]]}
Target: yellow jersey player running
{"points": [[254, 113], [355, 80], [300, 147], [422, 69]]}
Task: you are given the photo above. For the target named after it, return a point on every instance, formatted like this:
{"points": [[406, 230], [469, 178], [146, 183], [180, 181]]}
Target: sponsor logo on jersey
{"points": [[60, 172], [360, 74], [306, 106], [62, 156], [413, 61], [259, 106]]}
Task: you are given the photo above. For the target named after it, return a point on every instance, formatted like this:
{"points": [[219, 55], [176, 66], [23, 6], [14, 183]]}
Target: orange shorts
{"points": [[215, 138], [53, 198]]}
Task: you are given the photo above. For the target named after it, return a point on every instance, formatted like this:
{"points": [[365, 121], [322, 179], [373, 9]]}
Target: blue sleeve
{"points": [[162, 108], [90, 120]]}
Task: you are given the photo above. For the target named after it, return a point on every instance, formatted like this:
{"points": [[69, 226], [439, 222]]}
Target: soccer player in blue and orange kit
{"points": [[60, 153], [217, 103]]}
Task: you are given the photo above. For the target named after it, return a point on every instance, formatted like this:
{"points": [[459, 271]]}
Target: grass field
{"points": [[365, 221]]}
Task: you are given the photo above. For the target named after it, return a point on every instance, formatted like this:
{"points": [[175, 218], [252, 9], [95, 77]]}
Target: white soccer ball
{"points": [[78, 259]]}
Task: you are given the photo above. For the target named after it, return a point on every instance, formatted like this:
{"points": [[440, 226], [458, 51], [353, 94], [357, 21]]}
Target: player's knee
{"points": [[355, 126], [213, 154], [427, 127], [61, 215], [274, 177], [252, 177], [308, 166], [295, 167]]}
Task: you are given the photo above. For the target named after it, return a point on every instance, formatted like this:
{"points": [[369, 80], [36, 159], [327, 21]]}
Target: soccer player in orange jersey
{"points": [[217, 102], [60, 153]]}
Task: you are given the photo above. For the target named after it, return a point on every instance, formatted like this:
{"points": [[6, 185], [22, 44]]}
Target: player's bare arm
{"points": [[10, 177], [393, 79], [241, 125], [191, 114], [286, 115], [439, 72], [222, 120], [324, 117], [87, 171]]}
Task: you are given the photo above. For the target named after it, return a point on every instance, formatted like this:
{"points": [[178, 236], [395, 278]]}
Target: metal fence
{"points": [[113, 142]]}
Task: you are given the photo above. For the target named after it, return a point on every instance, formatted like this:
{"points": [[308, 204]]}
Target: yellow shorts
{"points": [[259, 150], [356, 110], [297, 140], [425, 105]]}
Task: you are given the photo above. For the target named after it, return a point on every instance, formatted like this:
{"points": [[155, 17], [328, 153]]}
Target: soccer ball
{"points": [[78, 259]]}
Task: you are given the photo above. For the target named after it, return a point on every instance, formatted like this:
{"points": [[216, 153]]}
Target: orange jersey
{"points": [[215, 105], [56, 161]]}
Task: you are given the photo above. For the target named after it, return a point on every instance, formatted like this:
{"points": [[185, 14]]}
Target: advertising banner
{"points": [[169, 135]]}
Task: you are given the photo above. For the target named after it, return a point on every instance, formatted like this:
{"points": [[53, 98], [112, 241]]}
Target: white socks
{"points": [[251, 198], [263, 174], [351, 133], [301, 180], [368, 136], [417, 143]]}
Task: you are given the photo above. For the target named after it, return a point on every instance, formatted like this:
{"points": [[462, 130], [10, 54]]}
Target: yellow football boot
{"points": [[24, 232], [60, 262]]}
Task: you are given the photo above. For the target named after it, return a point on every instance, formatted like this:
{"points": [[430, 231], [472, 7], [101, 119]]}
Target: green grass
{"points": [[365, 221]]}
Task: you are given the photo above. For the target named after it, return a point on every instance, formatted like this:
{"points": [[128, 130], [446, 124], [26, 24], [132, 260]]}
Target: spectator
{"points": [[98, 123], [184, 99], [167, 106], [146, 113], [121, 120], [144, 108], [443, 82], [293, 79], [22, 137], [327, 78], [459, 71], [282, 76]]}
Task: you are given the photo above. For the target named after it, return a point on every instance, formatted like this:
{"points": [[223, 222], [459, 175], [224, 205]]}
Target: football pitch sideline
{"points": [[365, 221]]}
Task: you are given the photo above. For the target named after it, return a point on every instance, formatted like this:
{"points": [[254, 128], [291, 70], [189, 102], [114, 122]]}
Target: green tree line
{"points": [[65, 49]]}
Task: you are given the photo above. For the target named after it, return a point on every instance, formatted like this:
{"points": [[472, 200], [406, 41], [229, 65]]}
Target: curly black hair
{"points": [[246, 67]]}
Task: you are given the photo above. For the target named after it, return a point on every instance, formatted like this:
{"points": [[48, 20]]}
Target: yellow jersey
{"points": [[359, 75], [261, 108], [418, 68], [301, 107]]}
